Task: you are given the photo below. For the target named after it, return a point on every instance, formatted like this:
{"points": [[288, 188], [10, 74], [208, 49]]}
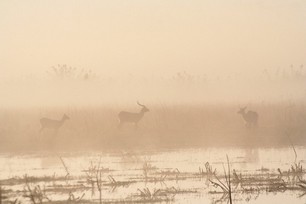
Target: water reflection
{"points": [[178, 174]]}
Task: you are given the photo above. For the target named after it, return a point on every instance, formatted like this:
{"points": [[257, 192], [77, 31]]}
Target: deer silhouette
{"points": [[47, 123], [250, 117], [128, 117]]}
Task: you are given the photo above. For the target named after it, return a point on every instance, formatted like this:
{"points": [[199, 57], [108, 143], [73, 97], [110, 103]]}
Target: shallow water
{"points": [[180, 166]]}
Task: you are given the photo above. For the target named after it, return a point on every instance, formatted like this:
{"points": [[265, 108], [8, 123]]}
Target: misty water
{"points": [[152, 101], [180, 167]]}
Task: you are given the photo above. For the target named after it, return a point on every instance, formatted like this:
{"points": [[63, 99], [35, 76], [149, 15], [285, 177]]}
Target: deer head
{"points": [[65, 117], [242, 110], [144, 108]]}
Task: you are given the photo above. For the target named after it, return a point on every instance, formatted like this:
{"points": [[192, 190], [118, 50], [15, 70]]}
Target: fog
{"points": [[180, 59], [152, 101], [152, 51], [85, 88], [146, 38]]}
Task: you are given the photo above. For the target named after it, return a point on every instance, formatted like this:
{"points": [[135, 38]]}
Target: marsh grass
{"points": [[94, 177], [231, 184], [208, 170], [35, 193], [227, 186], [75, 199]]}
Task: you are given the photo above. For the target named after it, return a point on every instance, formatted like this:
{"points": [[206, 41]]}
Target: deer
{"points": [[47, 123], [250, 117], [128, 117]]}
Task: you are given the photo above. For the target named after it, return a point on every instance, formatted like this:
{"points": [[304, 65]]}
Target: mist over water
{"points": [[154, 101]]}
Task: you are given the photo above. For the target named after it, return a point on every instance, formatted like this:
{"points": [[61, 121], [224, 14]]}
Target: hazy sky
{"points": [[151, 36]]}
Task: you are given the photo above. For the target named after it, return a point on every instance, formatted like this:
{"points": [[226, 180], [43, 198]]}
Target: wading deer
{"points": [[47, 123], [250, 117], [128, 117]]}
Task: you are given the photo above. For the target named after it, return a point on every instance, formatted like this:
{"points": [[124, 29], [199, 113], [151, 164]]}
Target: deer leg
{"points": [[41, 129]]}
